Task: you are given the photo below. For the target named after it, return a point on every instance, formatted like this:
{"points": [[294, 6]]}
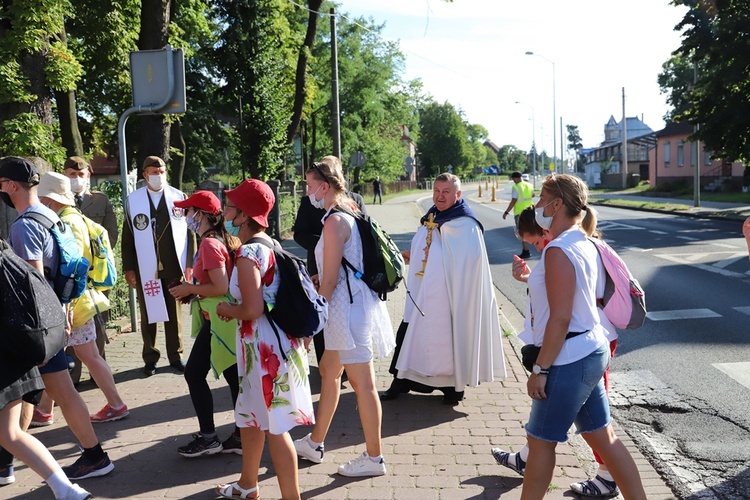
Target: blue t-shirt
{"points": [[32, 241]]}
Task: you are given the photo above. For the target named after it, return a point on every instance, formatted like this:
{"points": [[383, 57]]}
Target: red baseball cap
{"points": [[202, 200], [255, 198]]}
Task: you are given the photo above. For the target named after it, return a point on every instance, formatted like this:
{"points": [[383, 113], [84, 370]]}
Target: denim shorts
{"points": [[575, 394]]}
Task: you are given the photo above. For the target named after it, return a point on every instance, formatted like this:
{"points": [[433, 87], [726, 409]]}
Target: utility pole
{"points": [[335, 115], [624, 153]]}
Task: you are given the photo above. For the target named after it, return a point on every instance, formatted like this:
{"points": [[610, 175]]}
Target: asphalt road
{"points": [[682, 381]]}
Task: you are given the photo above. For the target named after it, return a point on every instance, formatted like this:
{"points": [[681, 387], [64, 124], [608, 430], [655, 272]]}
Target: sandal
{"points": [[503, 458], [598, 487], [233, 490]]}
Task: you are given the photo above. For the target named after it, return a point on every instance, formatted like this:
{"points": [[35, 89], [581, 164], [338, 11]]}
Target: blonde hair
{"points": [[574, 194], [329, 170]]}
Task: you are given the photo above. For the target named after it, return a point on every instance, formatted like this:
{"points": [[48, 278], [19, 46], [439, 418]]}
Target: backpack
{"points": [[384, 266], [33, 318], [624, 301], [70, 278], [103, 272], [299, 309]]}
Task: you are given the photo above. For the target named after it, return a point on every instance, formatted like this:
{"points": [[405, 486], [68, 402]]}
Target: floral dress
{"points": [[274, 393]]}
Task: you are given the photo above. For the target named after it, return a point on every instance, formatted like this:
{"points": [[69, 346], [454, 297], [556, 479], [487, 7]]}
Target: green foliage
{"points": [[12, 82], [26, 135], [716, 34], [62, 69], [510, 159], [675, 80], [443, 141]]}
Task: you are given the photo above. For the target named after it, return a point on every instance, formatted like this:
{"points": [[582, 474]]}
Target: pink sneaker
{"points": [[109, 414], [41, 419]]}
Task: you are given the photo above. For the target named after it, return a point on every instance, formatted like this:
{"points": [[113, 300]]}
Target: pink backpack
{"points": [[624, 300]]}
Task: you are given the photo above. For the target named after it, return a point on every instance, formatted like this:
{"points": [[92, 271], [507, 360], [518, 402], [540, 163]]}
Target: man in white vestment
{"points": [[157, 250], [450, 337]]}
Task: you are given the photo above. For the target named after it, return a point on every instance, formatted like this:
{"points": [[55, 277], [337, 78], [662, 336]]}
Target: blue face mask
{"points": [[231, 228]]}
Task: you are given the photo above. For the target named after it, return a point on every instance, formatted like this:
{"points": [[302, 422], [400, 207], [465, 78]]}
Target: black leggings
{"points": [[196, 370]]}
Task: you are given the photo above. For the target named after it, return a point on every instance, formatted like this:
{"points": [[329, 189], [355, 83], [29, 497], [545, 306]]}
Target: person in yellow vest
{"points": [[522, 198]]}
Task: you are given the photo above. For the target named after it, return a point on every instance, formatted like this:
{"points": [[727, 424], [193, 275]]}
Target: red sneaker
{"points": [[109, 414], [41, 419]]}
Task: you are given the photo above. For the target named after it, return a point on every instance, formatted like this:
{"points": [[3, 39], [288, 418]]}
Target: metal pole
{"points": [[624, 146], [697, 174], [335, 114], [554, 118], [562, 146]]}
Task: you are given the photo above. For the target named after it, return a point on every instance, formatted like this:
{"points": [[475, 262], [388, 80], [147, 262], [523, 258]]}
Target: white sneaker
{"points": [[306, 451], [76, 493], [362, 466]]}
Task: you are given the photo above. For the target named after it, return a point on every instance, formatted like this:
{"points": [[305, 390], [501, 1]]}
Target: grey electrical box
{"points": [[150, 79]]}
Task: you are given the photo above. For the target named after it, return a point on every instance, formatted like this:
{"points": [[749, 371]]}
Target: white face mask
{"points": [[193, 224], [78, 184], [316, 202], [543, 221], [157, 182]]}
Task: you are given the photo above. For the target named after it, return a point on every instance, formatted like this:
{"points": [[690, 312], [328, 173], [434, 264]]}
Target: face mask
{"points": [[231, 228], [192, 224], [156, 182], [539, 217], [321, 204], [78, 185], [6, 199]]}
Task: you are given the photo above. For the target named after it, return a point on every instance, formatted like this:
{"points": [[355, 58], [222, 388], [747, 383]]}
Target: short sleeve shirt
{"points": [[212, 254], [31, 241]]}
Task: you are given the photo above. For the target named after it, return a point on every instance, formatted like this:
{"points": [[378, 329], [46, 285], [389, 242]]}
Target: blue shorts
{"points": [[57, 364], [575, 394]]}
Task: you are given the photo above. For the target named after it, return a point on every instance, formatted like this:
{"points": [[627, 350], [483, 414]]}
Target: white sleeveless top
{"points": [[585, 317]]}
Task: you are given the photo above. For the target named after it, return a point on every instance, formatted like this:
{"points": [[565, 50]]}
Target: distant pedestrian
{"points": [[566, 384], [274, 385], [746, 232], [522, 197], [377, 189], [214, 346]]}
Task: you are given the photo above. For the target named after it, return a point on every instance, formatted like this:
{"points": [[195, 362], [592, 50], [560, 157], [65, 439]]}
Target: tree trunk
{"points": [[300, 82], [178, 165], [154, 129], [66, 112]]}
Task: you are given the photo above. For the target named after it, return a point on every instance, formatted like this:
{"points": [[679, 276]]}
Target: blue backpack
{"points": [[70, 278]]}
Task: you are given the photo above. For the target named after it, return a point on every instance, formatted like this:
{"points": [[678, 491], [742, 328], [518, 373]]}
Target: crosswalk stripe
{"points": [[740, 372], [682, 314]]}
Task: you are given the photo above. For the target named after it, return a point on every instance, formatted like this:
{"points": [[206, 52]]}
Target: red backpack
{"points": [[624, 301]]}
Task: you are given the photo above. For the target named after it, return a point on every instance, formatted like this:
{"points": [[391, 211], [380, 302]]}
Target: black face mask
{"points": [[5, 197]]}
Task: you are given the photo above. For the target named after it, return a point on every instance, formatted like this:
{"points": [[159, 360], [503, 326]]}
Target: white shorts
{"points": [[360, 329], [83, 334]]}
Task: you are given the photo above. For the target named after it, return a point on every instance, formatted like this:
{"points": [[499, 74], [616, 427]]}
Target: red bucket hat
{"points": [[255, 198], [202, 200]]}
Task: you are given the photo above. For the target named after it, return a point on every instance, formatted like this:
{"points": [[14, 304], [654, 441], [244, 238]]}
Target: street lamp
{"points": [[533, 139], [554, 114]]}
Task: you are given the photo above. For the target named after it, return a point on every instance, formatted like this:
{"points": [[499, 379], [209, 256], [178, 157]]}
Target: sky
{"points": [[471, 53]]}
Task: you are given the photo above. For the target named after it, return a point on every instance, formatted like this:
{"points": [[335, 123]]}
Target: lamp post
{"points": [[533, 140], [554, 113]]}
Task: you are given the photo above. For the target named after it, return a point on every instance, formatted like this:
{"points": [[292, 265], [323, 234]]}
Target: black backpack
{"points": [[384, 266], [299, 309], [33, 318]]}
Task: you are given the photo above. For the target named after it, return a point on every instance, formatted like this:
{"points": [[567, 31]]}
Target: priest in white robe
{"points": [[450, 337]]}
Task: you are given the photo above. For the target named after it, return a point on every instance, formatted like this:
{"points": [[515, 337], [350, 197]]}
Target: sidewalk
{"points": [[433, 451]]}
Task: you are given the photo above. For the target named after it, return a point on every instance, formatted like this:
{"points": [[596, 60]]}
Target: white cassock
{"points": [[458, 341]]}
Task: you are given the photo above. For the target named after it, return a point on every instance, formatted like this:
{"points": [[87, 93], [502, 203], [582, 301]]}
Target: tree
{"points": [[575, 144], [443, 140], [510, 159], [675, 80], [719, 101]]}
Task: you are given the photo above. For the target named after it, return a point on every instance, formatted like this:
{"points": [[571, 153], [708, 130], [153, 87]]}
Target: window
{"points": [[707, 158], [693, 152], [666, 154], [680, 154]]}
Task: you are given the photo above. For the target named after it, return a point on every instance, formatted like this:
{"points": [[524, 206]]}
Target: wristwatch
{"points": [[538, 370]]}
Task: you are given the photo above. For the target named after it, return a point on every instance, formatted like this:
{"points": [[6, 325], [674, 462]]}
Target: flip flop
{"points": [[233, 490]]}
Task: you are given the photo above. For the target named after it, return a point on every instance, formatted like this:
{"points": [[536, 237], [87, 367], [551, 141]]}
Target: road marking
{"points": [[682, 258], [610, 225], [654, 231], [636, 249], [743, 309], [731, 260], [687, 238], [682, 314], [740, 372]]}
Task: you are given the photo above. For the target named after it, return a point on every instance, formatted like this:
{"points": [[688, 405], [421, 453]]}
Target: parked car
{"points": [[525, 177]]}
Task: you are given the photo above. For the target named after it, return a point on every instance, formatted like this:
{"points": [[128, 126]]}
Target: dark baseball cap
{"points": [[19, 169]]}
